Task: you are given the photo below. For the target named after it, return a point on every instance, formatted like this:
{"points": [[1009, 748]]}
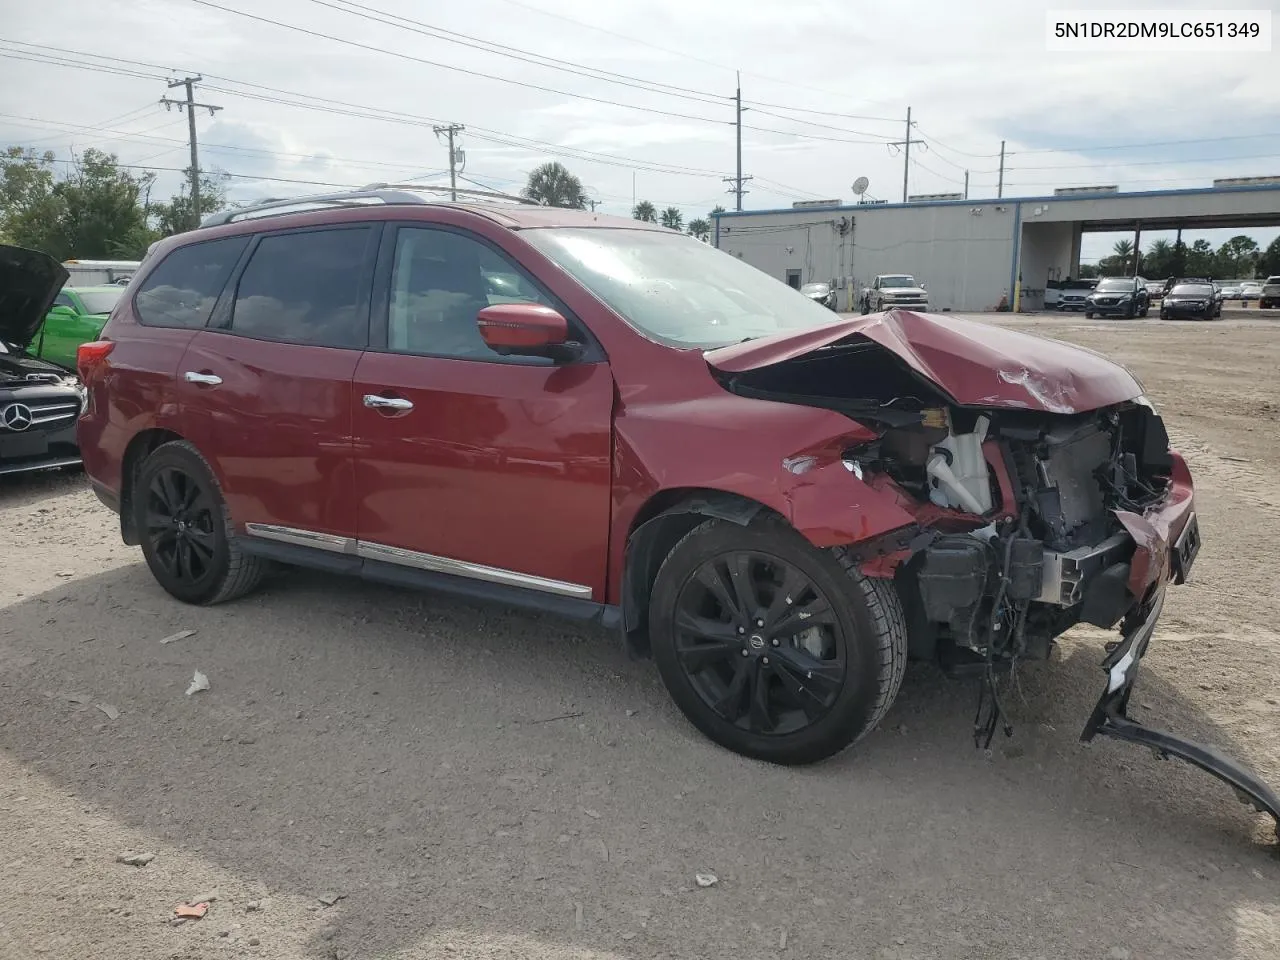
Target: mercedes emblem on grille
{"points": [[16, 416]]}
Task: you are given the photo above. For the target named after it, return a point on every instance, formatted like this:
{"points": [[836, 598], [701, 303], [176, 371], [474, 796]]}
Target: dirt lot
{"points": [[476, 783]]}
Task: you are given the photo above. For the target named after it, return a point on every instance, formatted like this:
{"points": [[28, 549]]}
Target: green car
{"points": [[77, 316]]}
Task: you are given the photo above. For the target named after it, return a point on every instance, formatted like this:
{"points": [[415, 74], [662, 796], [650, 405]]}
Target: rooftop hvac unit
{"points": [[799, 204], [935, 196], [1068, 191], [863, 203], [1245, 181]]}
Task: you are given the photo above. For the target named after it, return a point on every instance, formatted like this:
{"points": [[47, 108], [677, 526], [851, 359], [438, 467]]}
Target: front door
{"points": [[469, 463], [266, 389]]}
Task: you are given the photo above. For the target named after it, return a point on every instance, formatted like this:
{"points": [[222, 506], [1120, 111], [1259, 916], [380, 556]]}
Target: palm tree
{"points": [[646, 211], [1124, 254], [673, 218], [700, 228], [718, 209], [554, 186]]}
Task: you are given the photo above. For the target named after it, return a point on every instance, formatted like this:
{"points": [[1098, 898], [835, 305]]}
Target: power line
{"points": [[445, 66]]}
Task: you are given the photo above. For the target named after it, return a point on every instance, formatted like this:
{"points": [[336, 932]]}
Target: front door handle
{"points": [[375, 402], [208, 379]]}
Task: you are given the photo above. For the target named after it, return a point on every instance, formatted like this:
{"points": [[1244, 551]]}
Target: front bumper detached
{"points": [[1110, 717]]}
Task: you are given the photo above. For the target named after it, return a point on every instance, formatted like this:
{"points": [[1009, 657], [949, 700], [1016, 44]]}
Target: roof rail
{"points": [[373, 194]]}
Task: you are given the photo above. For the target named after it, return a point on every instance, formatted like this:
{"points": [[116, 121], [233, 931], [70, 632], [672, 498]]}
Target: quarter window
{"points": [[305, 288], [440, 280], [182, 290]]}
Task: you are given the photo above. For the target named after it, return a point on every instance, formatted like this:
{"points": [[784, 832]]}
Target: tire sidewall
{"points": [[856, 702], [179, 456]]}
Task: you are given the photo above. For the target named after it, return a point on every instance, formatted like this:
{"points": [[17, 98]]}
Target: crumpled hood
{"points": [[976, 364], [29, 283]]}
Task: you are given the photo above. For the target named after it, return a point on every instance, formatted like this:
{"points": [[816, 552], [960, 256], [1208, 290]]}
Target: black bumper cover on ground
{"points": [[1109, 717]]}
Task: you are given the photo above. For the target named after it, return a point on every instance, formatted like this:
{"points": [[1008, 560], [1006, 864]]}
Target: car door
{"points": [[266, 387], [470, 463]]}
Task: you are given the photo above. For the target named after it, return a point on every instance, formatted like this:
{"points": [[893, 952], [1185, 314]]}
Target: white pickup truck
{"points": [[891, 290]]}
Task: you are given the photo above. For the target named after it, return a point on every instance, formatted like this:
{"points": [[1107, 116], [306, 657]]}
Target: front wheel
{"points": [[1088, 314], [186, 530], [771, 647]]}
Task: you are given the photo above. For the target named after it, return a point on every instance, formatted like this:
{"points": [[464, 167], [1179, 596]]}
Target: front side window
{"points": [[675, 289], [440, 280], [305, 288], [64, 300], [182, 290]]}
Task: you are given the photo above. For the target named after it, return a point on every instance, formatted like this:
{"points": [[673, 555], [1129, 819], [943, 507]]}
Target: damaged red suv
{"points": [[607, 419]]}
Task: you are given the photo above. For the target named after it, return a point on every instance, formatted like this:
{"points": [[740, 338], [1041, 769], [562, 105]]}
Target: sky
{"points": [[634, 97]]}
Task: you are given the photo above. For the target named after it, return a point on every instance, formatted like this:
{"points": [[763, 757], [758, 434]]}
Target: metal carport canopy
{"points": [[1197, 209]]}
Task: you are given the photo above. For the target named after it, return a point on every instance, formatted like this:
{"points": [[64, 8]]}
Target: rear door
{"points": [[495, 468], [266, 388]]}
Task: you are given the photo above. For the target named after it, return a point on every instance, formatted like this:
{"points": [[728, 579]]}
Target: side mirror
{"points": [[923, 285], [526, 330], [62, 311]]}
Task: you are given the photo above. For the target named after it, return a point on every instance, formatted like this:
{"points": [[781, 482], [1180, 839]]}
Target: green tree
{"points": [[1123, 254], [1269, 262], [673, 218], [1201, 261], [175, 216], [27, 202], [1237, 258], [554, 186], [646, 211], [718, 209], [1088, 271], [700, 228], [1158, 262]]}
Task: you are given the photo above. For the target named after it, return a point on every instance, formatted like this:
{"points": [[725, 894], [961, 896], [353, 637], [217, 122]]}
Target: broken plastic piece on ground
{"points": [[180, 635], [706, 879], [135, 859], [198, 682], [329, 899], [195, 910], [111, 712]]}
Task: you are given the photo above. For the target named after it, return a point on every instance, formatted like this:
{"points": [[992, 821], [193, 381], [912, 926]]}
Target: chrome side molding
{"points": [[412, 558]]}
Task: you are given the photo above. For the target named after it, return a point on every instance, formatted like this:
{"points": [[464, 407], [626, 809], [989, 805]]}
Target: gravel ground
{"points": [[377, 773]]}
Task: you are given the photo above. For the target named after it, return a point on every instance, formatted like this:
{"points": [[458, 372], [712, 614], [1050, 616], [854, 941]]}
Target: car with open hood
{"points": [[779, 506], [39, 401]]}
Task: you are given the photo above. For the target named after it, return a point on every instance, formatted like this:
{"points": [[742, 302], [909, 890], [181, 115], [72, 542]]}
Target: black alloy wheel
{"points": [[181, 519], [759, 643], [771, 647]]}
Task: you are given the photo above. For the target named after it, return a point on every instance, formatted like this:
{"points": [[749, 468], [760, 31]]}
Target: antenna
{"points": [[860, 186]]}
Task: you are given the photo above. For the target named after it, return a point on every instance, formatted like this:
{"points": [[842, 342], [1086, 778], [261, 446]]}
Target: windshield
{"points": [[902, 281], [678, 290], [1114, 286], [100, 301], [1193, 290]]}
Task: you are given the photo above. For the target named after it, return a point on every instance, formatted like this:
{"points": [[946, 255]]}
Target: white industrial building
{"points": [[972, 253]]}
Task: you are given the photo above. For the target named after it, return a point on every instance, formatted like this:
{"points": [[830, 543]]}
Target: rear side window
{"points": [[183, 289], [305, 288]]}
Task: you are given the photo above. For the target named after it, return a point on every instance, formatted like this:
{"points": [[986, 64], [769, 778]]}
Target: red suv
{"points": [[607, 419]]}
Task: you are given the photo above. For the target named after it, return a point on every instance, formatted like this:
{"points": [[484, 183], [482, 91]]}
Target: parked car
{"points": [[890, 290], [1231, 291], [1155, 289], [39, 402], [778, 505], [1074, 293], [1118, 297], [77, 316], [820, 293], [1194, 301], [1251, 290], [1270, 295]]}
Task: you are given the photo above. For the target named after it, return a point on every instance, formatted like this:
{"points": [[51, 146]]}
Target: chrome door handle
{"points": [[373, 401], [206, 378]]}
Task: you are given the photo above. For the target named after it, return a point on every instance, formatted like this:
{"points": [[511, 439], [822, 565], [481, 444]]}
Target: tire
{"points": [[1146, 309], [1088, 314], [796, 719], [196, 560]]}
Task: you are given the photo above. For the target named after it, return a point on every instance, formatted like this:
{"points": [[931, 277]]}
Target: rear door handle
{"points": [[208, 379], [375, 402]]}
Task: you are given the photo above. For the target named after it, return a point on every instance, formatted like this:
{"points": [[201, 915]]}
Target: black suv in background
{"points": [[39, 403], [1118, 297]]}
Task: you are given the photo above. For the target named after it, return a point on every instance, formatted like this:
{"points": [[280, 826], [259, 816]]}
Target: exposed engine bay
{"points": [[1018, 534]]}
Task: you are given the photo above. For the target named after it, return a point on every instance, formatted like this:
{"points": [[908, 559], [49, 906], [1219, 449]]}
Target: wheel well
{"points": [[137, 451], [657, 528]]}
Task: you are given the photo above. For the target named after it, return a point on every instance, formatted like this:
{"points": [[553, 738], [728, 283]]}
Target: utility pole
{"points": [[966, 184], [1000, 185], [738, 180], [190, 105], [454, 155], [906, 159]]}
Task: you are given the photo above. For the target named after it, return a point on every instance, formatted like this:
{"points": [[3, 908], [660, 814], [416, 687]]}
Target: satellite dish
{"points": [[860, 186]]}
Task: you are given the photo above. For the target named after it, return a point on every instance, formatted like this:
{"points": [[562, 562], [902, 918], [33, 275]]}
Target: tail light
{"points": [[90, 356]]}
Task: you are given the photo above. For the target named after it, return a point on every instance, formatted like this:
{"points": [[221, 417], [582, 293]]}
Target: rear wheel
{"points": [[771, 647], [1088, 314], [186, 530]]}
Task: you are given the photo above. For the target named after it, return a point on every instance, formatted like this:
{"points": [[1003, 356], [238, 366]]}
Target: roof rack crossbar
{"points": [[386, 193]]}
